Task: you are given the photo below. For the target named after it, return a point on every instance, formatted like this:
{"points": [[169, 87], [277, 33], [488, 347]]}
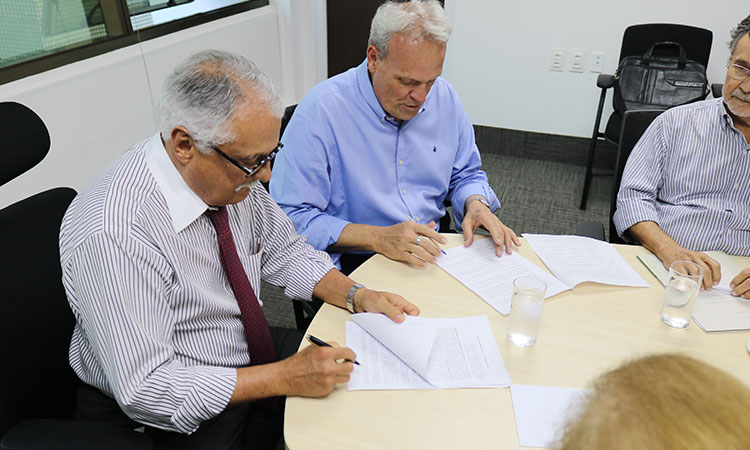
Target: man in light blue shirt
{"points": [[372, 154], [686, 186]]}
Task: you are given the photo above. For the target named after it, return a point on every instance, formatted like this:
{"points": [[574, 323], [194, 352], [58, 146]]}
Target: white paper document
{"points": [[717, 309], [422, 353], [491, 277], [575, 259], [542, 412]]}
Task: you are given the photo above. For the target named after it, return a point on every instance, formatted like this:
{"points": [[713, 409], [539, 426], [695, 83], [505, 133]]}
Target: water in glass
{"points": [[524, 318], [679, 302]]}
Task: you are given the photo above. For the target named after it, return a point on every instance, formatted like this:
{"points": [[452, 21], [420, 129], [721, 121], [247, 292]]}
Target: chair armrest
{"points": [[716, 89], [605, 81], [45, 434], [591, 229]]}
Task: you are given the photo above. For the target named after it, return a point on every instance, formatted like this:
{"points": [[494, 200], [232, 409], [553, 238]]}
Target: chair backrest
{"points": [[634, 124], [35, 320], [639, 38], [26, 140]]}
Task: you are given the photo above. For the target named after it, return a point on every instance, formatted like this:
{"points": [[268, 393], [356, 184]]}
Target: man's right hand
{"points": [[668, 251], [409, 242], [711, 268], [315, 371]]}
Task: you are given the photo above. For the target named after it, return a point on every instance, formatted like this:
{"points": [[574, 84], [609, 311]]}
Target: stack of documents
{"points": [[422, 353], [572, 259], [717, 309], [491, 277]]}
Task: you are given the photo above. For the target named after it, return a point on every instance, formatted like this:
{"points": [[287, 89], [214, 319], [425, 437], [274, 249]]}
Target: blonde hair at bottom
{"points": [[665, 401]]}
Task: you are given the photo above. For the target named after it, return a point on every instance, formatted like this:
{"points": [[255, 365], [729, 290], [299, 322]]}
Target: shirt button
{"points": [[401, 161], [404, 191], [417, 217]]}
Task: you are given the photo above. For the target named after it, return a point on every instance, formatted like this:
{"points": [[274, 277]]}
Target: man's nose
{"points": [[419, 93], [264, 173]]}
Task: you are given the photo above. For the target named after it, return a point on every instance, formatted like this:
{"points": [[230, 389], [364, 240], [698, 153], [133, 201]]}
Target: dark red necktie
{"points": [[259, 343]]}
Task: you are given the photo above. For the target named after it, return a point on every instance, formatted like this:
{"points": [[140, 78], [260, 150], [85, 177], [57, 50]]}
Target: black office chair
{"points": [[636, 40], [634, 124], [37, 388]]}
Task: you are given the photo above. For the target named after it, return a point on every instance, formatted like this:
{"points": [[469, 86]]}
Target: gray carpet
{"points": [[537, 196]]}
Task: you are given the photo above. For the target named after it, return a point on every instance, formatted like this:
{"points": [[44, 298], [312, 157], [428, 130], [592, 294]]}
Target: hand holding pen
{"points": [[321, 343]]}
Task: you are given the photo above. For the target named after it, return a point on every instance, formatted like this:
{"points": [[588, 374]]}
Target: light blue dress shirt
{"points": [[690, 173], [345, 161]]}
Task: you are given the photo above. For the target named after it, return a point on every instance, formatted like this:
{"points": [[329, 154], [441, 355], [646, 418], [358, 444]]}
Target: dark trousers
{"points": [[248, 426]]}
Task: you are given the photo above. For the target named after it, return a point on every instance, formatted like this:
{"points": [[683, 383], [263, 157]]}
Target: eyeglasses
{"points": [[738, 72], [251, 171]]}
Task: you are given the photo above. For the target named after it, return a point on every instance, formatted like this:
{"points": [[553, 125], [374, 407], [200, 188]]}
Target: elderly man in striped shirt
{"points": [[162, 256], [686, 185]]}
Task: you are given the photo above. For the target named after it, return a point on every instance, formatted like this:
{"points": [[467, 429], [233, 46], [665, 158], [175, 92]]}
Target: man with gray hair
{"points": [[372, 154], [162, 257], [686, 185]]}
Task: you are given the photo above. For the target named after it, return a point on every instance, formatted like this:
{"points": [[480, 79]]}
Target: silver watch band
{"points": [[481, 200], [350, 296]]}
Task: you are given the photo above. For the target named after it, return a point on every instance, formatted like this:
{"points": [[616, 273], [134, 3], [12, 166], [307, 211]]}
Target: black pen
{"points": [[321, 343]]}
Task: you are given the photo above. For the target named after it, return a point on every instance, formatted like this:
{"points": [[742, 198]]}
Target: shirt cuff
{"points": [[209, 396], [458, 200], [632, 211]]}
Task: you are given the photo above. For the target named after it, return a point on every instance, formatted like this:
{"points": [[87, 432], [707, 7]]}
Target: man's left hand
{"points": [[741, 284], [392, 305], [479, 215]]}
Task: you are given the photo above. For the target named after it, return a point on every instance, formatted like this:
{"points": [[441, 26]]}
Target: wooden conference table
{"points": [[583, 332]]}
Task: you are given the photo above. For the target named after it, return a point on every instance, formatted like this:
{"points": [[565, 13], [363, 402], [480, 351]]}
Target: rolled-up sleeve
{"points": [[117, 288], [642, 180], [289, 261]]}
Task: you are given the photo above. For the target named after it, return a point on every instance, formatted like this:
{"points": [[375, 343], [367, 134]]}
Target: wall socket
{"points": [[557, 62], [577, 61], [597, 62]]}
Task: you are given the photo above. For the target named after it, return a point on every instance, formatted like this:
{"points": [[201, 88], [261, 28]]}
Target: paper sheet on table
{"points": [[542, 412], [422, 353], [717, 310], [575, 259], [491, 277], [729, 268]]}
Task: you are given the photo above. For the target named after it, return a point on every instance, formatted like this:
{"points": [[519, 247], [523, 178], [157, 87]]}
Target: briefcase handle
{"points": [[681, 60]]}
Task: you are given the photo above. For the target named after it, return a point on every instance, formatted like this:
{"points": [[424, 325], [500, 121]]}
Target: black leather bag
{"points": [[664, 81]]}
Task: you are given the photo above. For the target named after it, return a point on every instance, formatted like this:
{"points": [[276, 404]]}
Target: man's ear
{"points": [[373, 58], [183, 144]]}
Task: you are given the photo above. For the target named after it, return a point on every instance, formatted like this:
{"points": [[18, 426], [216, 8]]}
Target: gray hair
{"points": [[740, 30], [418, 18], [204, 90]]}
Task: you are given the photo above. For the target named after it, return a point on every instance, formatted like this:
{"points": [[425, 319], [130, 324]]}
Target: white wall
{"points": [[499, 54], [96, 108]]}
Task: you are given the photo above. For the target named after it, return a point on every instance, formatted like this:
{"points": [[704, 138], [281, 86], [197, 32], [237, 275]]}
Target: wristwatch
{"points": [[481, 200], [350, 296]]}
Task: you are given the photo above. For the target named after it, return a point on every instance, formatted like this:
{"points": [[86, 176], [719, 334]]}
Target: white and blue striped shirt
{"points": [[157, 325], [690, 173]]}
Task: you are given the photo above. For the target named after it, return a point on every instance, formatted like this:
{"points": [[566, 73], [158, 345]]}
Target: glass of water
{"points": [[526, 310], [684, 281]]}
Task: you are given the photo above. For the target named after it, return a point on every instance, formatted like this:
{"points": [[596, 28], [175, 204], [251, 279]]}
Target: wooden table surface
{"points": [[583, 332]]}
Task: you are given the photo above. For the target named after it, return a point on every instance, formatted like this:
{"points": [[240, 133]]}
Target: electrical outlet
{"points": [[597, 62], [557, 63], [577, 61]]}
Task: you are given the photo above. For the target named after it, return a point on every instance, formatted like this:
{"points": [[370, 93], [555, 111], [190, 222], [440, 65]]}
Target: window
{"points": [[38, 35]]}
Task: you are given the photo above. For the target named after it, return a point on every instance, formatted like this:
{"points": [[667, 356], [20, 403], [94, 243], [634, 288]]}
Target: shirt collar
{"points": [[365, 87], [184, 205]]}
